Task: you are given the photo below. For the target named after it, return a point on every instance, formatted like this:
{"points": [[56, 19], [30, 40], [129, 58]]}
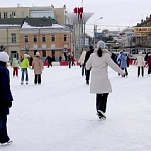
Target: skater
{"points": [[81, 61], [100, 84], [85, 60], [15, 66], [72, 60], [123, 62], [140, 62], [69, 60], [37, 65], [148, 63], [24, 65], [49, 59], [6, 98]]}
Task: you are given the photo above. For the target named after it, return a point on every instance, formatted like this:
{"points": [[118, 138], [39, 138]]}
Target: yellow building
{"points": [[19, 36], [48, 40], [9, 35]]}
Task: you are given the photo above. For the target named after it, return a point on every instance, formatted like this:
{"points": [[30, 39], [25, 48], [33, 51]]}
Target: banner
{"points": [[142, 29]]}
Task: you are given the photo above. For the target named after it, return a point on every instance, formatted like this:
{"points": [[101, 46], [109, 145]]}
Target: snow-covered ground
{"points": [[60, 115]]}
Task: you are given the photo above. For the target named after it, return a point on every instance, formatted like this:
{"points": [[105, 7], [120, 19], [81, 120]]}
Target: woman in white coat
{"points": [[140, 63], [81, 61], [100, 83]]}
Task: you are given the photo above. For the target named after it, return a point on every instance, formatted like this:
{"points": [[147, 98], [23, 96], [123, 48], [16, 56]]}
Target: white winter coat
{"points": [[82, 58], [100, 82], [140, 60]]}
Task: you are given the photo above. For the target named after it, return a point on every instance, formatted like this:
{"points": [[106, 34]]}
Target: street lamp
{"points": [[95, 30]]}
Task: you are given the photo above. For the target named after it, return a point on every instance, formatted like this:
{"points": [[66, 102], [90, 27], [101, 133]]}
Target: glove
{"points": [[8, 104]]}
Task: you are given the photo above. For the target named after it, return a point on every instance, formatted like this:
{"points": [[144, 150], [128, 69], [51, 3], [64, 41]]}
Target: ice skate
{"points": [[6, 143], [101, 114]]}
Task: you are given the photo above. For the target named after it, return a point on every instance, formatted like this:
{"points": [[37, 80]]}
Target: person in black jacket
{"points": [[49, 59], [6, 98], [88, 53]]}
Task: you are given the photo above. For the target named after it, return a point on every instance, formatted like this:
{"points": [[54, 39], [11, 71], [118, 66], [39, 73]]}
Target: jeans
{"points": [[24, 73], [3, 129], [101, 101]]}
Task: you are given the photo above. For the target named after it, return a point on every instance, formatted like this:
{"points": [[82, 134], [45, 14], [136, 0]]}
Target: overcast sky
{"points": [[116, 14]]}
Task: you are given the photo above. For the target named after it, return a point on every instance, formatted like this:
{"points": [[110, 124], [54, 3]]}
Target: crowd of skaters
{"points": [[94, 61]]}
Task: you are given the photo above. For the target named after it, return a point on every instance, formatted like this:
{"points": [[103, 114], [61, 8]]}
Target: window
{"points": [[65, 37], [43, 53], [35, 52], [13, 14], [13, 37], [43, 38], [52, 37], [35, 38], [5, 14], [26, 38]]}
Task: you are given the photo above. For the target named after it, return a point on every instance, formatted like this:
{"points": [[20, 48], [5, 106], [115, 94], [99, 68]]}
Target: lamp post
{"points": [[95, 29]]}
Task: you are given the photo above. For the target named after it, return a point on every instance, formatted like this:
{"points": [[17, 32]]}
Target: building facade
{"points": [[48, 41], [58, 14], [29, 35]]}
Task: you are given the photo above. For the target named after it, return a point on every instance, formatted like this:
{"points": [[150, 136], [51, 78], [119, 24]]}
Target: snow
{"points": [[26, 25], [59, 114]]}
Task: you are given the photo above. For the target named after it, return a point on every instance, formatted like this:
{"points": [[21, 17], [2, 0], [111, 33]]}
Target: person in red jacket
{"points": [[149, 63]]}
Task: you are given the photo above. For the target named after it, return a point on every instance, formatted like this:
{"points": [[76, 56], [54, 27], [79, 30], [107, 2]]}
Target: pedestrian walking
{"points": [[85, 60], [37, 65], [100, 83], [140, 62], [24, 65], [6, 98], [15, 66]]}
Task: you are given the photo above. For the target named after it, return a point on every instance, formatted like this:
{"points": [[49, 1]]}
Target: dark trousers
{"points": [[3, 129], [142, 68], [83, 70], [88, 75], [101, 101], [149, 69], [49, 64], [69, 63], [37, 78], [126, 73]]}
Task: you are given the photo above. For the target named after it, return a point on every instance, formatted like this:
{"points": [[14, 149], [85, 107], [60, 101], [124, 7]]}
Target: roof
{"points": [[40, 22], [36, 22], [12, 21]]}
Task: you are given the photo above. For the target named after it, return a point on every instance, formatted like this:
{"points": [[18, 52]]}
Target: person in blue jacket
{"points": [[6, 98], [122, 59]]}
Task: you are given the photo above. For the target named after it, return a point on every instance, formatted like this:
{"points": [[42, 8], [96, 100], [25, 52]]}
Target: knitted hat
{"points": [[25, 55], [4, 57], [37, 54], [90, 47], [101, 44]]}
